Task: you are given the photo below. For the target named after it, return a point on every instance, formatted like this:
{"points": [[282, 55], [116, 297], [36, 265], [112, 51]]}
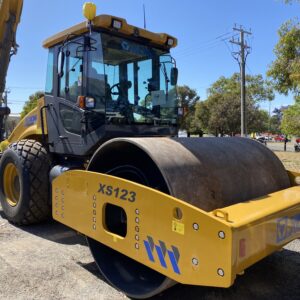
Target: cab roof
{"points": [[105, 22]]}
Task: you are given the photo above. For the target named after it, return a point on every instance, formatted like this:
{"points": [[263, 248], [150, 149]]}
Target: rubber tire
{"points": [[33, 165]]}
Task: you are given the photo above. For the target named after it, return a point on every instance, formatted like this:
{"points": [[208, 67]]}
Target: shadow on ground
{"points": [[93, 269], [276, 277], [52, 231]]}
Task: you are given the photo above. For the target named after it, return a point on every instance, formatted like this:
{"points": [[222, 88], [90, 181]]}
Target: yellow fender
{"points": [[30, 126]]}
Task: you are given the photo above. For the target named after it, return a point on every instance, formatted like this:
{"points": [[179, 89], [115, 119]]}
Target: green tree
{"points": [[285, 69], [258, 89], [275, 124], [275, 121], [201, 117], [31, 103], [220, 113], [290, 124], [188, 98], [258, 120]]}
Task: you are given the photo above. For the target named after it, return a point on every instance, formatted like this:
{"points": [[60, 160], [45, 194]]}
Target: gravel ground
{"points": [[279, 146], [291, 160], [50, 261]]}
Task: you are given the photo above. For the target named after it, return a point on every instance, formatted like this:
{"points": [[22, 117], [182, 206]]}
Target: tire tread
{"points": [[36, 159]]}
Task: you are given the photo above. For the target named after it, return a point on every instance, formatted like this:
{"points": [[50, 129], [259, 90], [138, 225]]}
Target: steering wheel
{"points": [[117, 86], [121, 86]]}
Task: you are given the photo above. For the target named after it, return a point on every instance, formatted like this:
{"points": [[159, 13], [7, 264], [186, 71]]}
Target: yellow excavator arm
{"points": [[10, 13]]}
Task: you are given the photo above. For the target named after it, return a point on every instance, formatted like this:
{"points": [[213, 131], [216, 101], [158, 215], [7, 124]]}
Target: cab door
{"points": [[64, 117], [71, 129]]}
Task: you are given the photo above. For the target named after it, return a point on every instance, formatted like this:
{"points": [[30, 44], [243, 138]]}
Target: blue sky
{"points": [[201, 56]]}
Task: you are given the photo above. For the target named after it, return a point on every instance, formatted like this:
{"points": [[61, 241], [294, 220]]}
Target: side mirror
{"points": [[60, 63], [174, 76]]}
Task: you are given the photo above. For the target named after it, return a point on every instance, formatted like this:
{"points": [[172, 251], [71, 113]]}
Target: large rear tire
{"points": [[24, 183]]}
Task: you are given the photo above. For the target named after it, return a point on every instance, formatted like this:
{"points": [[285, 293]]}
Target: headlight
{"points": [[85, 102], [116, 24], [89, 102], [170, 42]]}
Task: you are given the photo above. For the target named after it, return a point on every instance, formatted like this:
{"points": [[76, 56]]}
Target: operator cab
{"points": [[106, 83]]}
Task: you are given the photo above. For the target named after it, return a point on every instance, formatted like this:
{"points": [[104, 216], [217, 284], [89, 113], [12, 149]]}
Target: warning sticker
{"points": [[178, 227], [287, 227]]}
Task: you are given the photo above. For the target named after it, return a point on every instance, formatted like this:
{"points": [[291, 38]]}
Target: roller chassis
{"points": [[188, 245]]}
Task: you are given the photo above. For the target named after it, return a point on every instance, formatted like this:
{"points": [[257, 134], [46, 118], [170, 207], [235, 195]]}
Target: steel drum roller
{"points": [[208, 173]]}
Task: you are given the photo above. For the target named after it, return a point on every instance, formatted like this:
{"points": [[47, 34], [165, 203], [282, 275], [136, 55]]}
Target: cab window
{"points": [[95, 74], [70, 84], [49, 75]]}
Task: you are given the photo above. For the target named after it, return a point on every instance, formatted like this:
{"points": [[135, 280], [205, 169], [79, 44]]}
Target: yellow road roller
{"points": [[100, 154]]}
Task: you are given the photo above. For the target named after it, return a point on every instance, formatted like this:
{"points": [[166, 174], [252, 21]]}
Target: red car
{"points": [[279, 138]]}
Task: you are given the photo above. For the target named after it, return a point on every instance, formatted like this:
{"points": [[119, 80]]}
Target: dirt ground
{"points": [[50, 261], [291, 160]]}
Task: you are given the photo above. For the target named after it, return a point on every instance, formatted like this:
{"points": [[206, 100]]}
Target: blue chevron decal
{"points": [[162, 254]]}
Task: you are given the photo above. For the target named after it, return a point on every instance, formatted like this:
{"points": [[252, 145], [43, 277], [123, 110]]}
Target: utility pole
{"points": [[242, 56]]}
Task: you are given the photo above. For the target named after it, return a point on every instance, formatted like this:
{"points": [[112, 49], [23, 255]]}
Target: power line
{"points": [[199, 50], [227, 46], [249, 69], [201, 46], [205, 43], [201, 43]]}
